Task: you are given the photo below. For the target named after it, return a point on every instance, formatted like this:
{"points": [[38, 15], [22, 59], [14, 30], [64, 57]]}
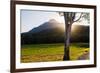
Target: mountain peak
{"points": [[51, 24], [52, 20]]}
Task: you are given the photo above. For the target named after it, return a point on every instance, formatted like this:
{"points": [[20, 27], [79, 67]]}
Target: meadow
{"points": [[51, 52]]}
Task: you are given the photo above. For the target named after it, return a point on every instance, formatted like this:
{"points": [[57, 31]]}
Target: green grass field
{"points": [[51, 52]]}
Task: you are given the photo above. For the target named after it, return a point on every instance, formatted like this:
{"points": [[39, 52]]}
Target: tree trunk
{"points": [[69, 20], [67, 36]]}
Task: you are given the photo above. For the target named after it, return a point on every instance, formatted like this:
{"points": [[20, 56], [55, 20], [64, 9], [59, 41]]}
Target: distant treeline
{"points": [[81, 34]]}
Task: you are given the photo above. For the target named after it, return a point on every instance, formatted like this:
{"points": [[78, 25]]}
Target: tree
{"points": [[70, 18]]}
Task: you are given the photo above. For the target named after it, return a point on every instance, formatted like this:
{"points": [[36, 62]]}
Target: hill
{"points": [[53, 32]]}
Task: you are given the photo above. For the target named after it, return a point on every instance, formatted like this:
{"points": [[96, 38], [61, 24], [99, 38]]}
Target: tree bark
{"points": [[67, 35], [69, 20]]}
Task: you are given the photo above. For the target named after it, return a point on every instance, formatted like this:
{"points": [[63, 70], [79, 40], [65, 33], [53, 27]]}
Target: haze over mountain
{"points": [[51, 24], [53, 32]]}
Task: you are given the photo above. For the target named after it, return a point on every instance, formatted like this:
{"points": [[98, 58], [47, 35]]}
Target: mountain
{"points": [[51, 24], [80, 34], [53, 32]]}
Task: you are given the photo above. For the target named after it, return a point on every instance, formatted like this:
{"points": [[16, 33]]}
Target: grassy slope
{"points": [[50, 52]]}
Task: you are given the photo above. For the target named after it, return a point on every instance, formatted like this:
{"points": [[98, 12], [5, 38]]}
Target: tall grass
{"points": [[51, 52]]}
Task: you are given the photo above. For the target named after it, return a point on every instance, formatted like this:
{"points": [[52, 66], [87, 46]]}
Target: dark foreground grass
{"points": [[51, 52]]}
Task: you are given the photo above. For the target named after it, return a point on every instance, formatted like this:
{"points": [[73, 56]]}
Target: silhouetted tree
{"points": [[70, 18]]}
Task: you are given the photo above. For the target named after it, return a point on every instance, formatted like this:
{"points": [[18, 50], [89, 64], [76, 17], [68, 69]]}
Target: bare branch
{"points": [[78, 18]]}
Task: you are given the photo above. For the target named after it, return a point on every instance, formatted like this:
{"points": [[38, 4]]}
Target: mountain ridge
{"points": [[47, 25], [53, 32]]}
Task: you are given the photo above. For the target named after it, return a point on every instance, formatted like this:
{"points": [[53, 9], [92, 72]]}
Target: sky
{"points": [[31, 19]]}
